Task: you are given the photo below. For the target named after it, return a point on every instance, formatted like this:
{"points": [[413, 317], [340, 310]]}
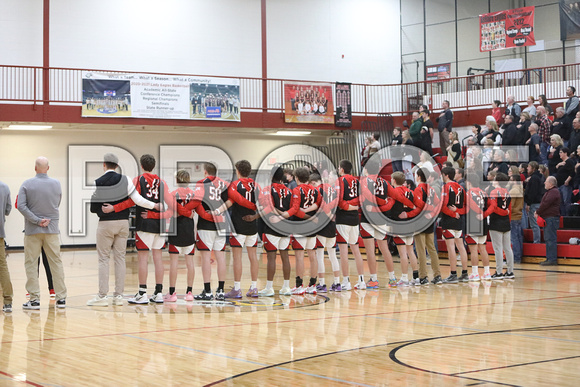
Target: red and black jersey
{"points": [[478, 204], [303, 197], [152, 188], [244, 193], [375, 192], [453, 195], [500, 219], [328, 206], [183, 234], [277, 196], [399, 206], [212, 192], [348, 194], [426, 201]]}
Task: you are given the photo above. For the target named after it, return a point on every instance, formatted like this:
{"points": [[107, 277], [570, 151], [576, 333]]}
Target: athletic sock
{"points": [[415, 274], [463, 272], [312, 281], [474, 270], [221, 284], [298, 282], [321, 281], [336, 280], [207, 287], [486, 270], [189, 289], [158, 288], [405, 277], [361, 278], [286, 284], [142, 289], [269, 284], [254, 285], [171, 290], [453, 272], [237, 285], [392, 275], [373, 277]]}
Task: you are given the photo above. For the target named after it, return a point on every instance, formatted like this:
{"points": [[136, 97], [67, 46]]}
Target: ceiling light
{"points": [[292, 133], [28, 127]]}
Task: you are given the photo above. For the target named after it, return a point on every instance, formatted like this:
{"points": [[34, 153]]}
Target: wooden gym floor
{"points": [[521, 332]]}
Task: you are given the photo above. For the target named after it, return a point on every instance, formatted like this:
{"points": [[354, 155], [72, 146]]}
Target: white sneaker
{"points": [[311, 289], [266, 293], [415, 282], [486, 277], [360, 286], [285, 291], [139, 299], [118, 300], [298, 291], [346, 286], [474, 277], [98, 301], [157, 298], [403, 282]]}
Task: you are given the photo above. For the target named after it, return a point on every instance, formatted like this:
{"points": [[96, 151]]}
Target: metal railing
{"points": [[25, 84]]}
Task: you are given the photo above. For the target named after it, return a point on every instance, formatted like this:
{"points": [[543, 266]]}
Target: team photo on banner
{"points": [[507, 29], [160, 96], [308, 103]]}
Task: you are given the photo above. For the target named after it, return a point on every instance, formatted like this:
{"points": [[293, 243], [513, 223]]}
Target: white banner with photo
{"points": [[160, 96]]}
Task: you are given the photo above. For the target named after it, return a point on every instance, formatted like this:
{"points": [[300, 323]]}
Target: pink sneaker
{"points": [[253, 292], [189, 296], [170, 297]]}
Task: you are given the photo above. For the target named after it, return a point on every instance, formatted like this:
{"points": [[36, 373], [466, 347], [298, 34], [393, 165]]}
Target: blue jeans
{"points": [[524, 217], [517, 237], [533, 223], [552, 225], [566, 195], [544, 152]]}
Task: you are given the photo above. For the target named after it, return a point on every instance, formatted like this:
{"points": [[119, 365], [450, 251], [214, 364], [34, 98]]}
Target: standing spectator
{"points": [[365, 151], [5, 208], [533, 144], [554, 153], [565, 171], [38, 201], [549, 210], [530, 109], [397, 140], [492, 132], [415, 129], [544, 131], [571, 105], [445, 126], [533, 197], [510, 133], [575, 135], [289, 175], [544, 103], [517, 195], [512, 109], [561, 126], [454, 150], [426, 132], [496, 110], [375, 144], [522, 128], [477, 135]]}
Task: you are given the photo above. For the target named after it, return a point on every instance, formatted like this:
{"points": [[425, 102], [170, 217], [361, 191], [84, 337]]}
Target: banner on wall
{"points": [[308, 103], [569, 19], [343, 117], [507, 29], [160, 96], [440, 72]]}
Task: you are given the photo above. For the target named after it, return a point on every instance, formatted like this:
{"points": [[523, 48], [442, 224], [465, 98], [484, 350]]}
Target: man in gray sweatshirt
{"points": [[38, 201], [5, 282]]}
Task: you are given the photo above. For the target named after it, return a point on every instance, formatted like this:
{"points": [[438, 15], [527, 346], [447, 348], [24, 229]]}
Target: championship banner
{"points": [[507, 29], [343, 116], [160, 96], [309, 103]]}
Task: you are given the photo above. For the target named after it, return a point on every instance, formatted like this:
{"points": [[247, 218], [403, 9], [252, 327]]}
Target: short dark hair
{"points": [[410, 184], [399, 177], [447, 164], [109, 165], [573, 89], [372, 166], [449, 172], [565, 150], [376, 136], [346, 166], [497, 102], [501, 177], [147, 162], [421, 175], [302, 174], [244, 168], [210, 169], [314, 177], [534, 165], [460, 171], [478, 127], [473, 179], [277, 174]]}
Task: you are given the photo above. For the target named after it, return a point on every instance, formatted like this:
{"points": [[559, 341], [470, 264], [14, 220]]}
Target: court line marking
{"points": [[285, 321], [516, 365], [13, 378], [246, 361]]}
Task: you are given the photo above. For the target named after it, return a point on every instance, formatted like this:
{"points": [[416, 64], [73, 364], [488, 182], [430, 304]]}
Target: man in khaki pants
{"points": [[5, 283], [38, 201]]}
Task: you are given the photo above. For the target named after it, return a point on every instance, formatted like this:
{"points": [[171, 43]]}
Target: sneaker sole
{"points": [[138, 302], [31, 308], [61, 306]]}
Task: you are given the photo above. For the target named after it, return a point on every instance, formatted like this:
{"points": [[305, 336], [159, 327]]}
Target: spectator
{"points": [[445, 126], [517, 194], [407, 156], [415, 129], [544, 131], [426, 132], [565, 171], [571, 105], [365, 151], [575, 134], [492, 132], [530, 109], [533, 196], [544, 171], [510, 132], [454, 150], [375, 144], [397, 140], [5, 283], [549, 210], [544, 102], [561, 126], [522, 127], [512, 109], [499, 165], [476, 130], [533, 144], [290, 183], [496, 110], [554, 153]]}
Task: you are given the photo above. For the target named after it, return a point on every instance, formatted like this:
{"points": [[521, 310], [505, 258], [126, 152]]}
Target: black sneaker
{"points": [[548, 263], [7, 308], [32, 305], [203, 296], [424, 281], [220, 295], [61, 303], [452, 279], [497, 276], [509, 275], [437, 280], [464, 277]]}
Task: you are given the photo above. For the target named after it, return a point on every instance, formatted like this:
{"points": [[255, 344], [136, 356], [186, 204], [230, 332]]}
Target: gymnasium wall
{"points": [[21, 36], [19, 149]]}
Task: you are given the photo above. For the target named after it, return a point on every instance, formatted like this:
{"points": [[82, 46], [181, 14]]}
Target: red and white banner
{"points": [[507, 29]]}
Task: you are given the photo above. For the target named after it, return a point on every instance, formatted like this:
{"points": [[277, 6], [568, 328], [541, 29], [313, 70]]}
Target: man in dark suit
{"points": [[510, 132], [113, 229]]}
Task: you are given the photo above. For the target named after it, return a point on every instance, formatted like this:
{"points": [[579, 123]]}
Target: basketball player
{"points": [[500, 228]]}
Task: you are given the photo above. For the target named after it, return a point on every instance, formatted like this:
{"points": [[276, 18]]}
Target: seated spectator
{"points": [[492, 131], [476, 130]]}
